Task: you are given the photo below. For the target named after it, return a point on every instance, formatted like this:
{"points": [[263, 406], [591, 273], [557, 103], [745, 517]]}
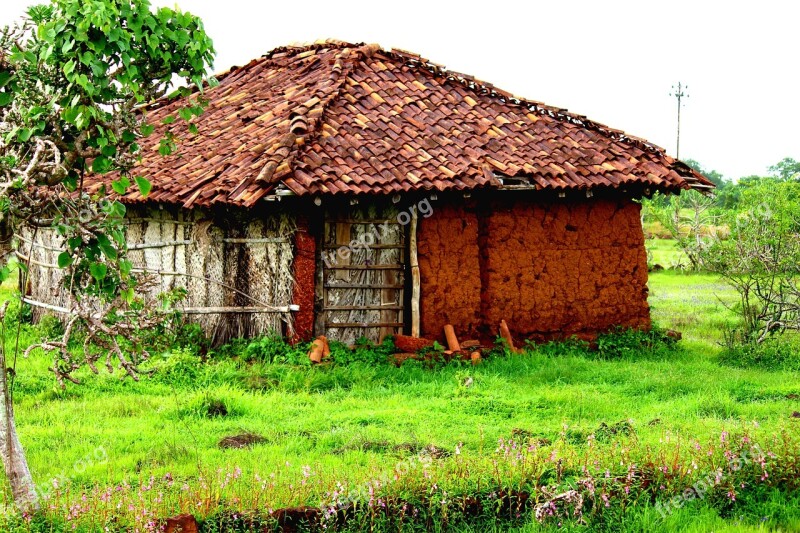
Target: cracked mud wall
{"points": [[449, 263], [551, 268]]}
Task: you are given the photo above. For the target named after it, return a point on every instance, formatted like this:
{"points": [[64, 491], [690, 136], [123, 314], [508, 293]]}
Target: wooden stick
{"points": [[49, 307], [215, 310], [415, 279], [452, 340], [148, 245], [506, 334]]}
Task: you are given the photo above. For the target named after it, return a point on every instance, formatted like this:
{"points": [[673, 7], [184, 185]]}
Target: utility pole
{"points": [[679, 93]]}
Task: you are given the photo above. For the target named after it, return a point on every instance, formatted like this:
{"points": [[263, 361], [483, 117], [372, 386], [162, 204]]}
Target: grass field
{"points": [[351, 424]]}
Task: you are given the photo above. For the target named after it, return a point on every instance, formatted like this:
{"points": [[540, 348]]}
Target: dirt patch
{"points": [[294, 519], [184, 523], [243, 440], [606, 432], [404, 448]]}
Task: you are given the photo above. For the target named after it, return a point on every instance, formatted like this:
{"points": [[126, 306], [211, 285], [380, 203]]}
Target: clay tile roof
{"points": [[340, 118]]}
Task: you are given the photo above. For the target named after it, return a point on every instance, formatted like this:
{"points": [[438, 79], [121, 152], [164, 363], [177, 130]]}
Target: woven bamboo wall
{"points": [[224, 259]]}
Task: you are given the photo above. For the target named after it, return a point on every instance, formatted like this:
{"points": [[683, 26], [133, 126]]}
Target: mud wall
{"points": [[450, 290], [304, 280], [551, 269]]}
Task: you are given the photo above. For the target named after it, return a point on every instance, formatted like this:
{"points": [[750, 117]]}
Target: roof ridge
{"points": [[482, 88], [306, 118]]}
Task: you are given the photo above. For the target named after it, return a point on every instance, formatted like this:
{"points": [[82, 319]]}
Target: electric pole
{"points": [[679, 94]]}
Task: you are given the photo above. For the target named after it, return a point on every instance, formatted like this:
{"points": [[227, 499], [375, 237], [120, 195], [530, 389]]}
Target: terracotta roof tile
{"points": [[338, 118]]}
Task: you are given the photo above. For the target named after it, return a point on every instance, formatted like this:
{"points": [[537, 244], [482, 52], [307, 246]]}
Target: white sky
{"points": [[613, 61]]}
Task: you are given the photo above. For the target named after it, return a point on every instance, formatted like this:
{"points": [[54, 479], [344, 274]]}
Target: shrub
{"points": [[274, 349], [630, 343], [218, 403], [780, 352], [178, 366], [364, 351]]}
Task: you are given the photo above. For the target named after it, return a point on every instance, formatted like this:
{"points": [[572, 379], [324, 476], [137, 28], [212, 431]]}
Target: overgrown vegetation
{"points": [[748, 234], [455, 448]]}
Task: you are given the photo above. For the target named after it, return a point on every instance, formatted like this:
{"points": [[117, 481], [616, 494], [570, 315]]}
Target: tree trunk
{"points": [[19, 476]]}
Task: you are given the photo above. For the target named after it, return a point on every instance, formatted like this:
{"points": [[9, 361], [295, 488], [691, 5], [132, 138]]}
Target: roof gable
{"points": [[338, 118]]}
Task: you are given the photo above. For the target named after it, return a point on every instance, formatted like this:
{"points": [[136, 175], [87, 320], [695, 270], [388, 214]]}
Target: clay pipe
{"points": [[452, 340], [506, 334], [317, 349], [326, 349]]}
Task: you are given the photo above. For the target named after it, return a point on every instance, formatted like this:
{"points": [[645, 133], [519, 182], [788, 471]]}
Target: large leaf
{"points": [[144, 185], [64, 260], [101, 164], [98, 271]]}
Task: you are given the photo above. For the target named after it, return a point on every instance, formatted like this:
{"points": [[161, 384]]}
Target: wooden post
{"points": [[415, 281]]}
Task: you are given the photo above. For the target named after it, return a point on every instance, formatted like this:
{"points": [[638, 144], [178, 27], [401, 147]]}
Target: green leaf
{"points": [[186, 113], [168, 120], [98, 271], [144, 185], [109, 251], [117, 209], [5, 98], [69, 67], [64, 260], [148, 129], [24, 134], [193, 129], [125, 267], [119, 187], [4, 273], [101, 164], [4, 77], [127, 294]]}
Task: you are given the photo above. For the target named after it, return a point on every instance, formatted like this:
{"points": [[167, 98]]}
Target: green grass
{"points": [[344, 422], [665, 252]]}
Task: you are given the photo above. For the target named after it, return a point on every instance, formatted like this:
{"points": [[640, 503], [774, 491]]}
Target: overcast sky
{"points": [[612, 61]]}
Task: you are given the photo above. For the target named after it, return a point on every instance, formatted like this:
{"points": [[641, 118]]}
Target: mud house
{"points": [[348, 190]]}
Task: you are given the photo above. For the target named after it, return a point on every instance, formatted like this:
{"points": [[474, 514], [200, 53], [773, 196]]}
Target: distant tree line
{"points": [[748, 232]]}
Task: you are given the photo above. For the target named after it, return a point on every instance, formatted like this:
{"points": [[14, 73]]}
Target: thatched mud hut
{"points": [[352, 191]]}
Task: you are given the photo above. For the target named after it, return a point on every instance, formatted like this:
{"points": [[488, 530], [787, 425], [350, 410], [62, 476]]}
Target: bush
{"points": [[630, 343], [620, 343], [221, 402], [179, 366], [780, 352], [364, 351], [272, 349]]}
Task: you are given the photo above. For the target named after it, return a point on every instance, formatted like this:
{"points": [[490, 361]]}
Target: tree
{"points": [[75, 79], [761, 260], [786, 169]]}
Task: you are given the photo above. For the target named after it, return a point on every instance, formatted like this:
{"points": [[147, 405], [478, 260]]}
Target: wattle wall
{"points": [[551, 268]]}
